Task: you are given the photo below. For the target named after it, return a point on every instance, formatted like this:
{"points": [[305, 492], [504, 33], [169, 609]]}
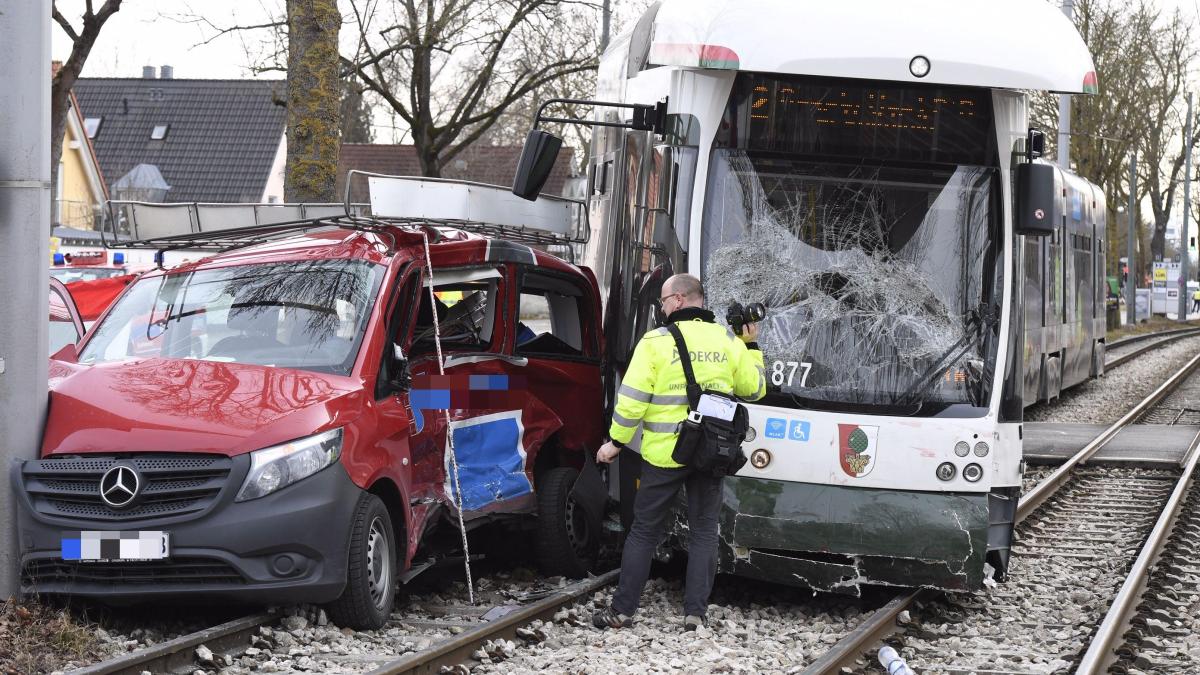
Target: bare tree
{"points": [[451, 68], [356, 113], [313, 100], [63, 81], [1142, 60], [1164, 143]]}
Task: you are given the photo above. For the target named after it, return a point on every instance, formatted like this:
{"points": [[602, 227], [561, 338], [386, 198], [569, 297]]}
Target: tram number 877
{"points": [[783, 373]]}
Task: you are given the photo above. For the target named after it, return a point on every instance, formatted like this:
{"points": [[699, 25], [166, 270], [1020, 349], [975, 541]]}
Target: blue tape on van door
{"points": [[491, 460]]}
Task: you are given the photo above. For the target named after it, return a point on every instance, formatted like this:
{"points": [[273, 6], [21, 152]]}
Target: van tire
{"points": [[370, 593], [568, 540]]}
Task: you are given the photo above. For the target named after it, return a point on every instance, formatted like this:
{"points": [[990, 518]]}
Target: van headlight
{"points": [[281, 465]]}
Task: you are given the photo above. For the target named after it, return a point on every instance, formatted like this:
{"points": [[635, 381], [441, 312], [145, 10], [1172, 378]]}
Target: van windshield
{"points": [[307, 314]]}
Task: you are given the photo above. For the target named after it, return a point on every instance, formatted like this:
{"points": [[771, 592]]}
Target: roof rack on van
{"points": [[396, 201], [489, 210], [207, 226]]}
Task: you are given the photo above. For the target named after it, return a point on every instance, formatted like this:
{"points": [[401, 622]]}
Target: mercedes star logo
{"points": [[119, 485]]}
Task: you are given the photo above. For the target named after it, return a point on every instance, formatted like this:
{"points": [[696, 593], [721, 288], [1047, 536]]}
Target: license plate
{"points": [[112, 545]]}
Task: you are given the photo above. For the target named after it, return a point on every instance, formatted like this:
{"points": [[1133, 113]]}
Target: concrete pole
{"points": [[25, 244], [1184, 300], [1131, 282], [1064, 107], [605, 24]]}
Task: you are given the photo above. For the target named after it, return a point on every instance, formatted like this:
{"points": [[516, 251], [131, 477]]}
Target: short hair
{"points": [[686, 285]]}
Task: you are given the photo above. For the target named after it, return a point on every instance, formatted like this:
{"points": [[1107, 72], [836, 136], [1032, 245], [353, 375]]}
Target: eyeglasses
{"points": [[669, 295]]}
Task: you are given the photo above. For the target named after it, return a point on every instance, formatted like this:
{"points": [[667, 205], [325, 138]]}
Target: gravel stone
{"points": [[204, 654]]}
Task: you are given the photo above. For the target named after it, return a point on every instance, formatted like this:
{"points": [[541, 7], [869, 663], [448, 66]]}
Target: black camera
{"points": [[738, 315]]}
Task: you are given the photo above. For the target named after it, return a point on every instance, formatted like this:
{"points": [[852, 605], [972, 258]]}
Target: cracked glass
{"points": [[875, 251]]}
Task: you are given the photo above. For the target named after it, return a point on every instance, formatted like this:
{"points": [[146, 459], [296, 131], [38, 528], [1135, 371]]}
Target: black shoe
{"points": [[609, 618], [691, 623]]}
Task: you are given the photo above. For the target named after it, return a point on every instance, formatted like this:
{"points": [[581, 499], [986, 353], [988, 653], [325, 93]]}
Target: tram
{"points": [[866, 170]]}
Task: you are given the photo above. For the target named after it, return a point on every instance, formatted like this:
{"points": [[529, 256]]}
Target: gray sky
{"points": [[143, 33]]}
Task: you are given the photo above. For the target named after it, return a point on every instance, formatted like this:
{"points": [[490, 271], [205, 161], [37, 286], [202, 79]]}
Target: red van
{"points": [[268, 424]]}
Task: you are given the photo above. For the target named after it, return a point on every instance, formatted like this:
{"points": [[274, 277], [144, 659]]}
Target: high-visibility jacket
{"points": [[654, 390], [1196, 295]]}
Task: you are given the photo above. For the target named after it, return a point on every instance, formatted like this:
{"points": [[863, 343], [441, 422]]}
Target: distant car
{"points": [[66, 325], [94, 296], [87, 266]]}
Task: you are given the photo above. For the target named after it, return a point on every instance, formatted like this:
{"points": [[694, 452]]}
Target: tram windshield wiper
{"points": [[977, 321]]}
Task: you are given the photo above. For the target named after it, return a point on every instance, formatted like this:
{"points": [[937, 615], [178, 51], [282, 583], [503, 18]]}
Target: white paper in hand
{"points": [[716, 406]]}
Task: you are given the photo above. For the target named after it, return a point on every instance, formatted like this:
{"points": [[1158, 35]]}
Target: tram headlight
{"points": [[919, 66], [972, 473], [962, 448], [751, 434], [946, 471], [981, 449]]}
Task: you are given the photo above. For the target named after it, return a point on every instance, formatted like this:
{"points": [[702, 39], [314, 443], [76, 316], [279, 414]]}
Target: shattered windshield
{"points": [[880, 276], [307, 314], [874, 278]]}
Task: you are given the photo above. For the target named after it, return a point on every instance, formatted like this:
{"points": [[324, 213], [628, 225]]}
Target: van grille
{"points": [[171, 485], [190, 571]]}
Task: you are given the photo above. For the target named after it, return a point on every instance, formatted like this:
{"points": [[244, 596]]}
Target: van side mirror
{"points": [[1036, 194], [537, 161]]}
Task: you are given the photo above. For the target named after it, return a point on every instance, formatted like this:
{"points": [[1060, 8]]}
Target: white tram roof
{"points": [[1014, 44]]}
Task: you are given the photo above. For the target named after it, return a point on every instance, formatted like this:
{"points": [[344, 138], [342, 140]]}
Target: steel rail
{"points": [[453, 651], [1131, 339], [1035, 497], [176, 655], [1168, 337], [1100, 654], [882, 622], [879, 625]]}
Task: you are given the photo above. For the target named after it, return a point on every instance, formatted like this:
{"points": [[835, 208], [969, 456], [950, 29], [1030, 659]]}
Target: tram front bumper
{"points": [[836, 539]]}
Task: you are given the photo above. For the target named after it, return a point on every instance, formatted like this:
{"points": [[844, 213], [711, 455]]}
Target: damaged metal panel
{"points": [[491, 459], [835, 539]]}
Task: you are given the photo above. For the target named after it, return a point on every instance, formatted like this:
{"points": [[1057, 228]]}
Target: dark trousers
{"points": [[1195, 305], [653, 504]]}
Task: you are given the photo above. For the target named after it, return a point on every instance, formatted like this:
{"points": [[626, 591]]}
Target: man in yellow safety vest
{"points": [[653, 395]]}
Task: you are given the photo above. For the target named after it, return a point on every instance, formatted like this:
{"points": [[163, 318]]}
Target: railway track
{"points": [[1123, 351], [434, 634], [1080, 531], [1152, 622]]}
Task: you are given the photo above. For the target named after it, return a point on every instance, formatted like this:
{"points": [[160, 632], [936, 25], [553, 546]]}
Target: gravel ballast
{"points": [[753, 628]]}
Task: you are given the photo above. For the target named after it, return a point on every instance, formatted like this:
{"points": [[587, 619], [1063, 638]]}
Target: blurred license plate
{"points": [[109, 545]]}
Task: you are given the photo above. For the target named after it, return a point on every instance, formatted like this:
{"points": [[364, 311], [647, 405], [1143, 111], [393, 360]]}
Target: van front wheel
{"points": [[370, 593], [568, 539]]}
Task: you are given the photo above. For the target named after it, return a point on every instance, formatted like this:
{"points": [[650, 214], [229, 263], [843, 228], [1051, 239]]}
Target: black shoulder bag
{"points": [[708, 443]]}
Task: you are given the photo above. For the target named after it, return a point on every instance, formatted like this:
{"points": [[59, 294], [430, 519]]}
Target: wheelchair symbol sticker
{"points": [[798, 431]]}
